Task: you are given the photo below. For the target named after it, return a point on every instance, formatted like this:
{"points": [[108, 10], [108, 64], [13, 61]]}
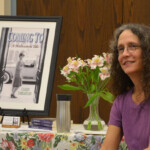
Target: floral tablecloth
{"points": [[51, 141]]}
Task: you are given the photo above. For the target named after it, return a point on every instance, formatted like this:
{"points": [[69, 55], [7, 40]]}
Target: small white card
{"points": [[11, 120]]}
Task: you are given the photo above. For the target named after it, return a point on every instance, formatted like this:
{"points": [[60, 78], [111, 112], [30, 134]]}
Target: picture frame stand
{"points": [[25, 114], [1, 112], [1, 115]]}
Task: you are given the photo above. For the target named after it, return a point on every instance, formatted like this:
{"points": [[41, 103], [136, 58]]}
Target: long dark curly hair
{"points": [[120, 81]]}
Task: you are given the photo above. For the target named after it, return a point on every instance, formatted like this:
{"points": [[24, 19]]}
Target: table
{"points": [[28, 139]]}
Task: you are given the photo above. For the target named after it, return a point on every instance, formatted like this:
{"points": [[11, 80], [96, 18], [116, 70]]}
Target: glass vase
{"points": [[94, 122]]}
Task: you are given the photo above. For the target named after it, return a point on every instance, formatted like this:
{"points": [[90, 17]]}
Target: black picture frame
{"points": [[31, 44]]}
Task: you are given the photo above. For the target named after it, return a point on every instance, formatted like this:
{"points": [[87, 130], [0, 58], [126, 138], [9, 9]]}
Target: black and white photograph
{"points": [[25, 50]]}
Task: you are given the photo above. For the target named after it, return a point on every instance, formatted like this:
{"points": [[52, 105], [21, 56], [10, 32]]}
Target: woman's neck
{"points": [[138, 96]]}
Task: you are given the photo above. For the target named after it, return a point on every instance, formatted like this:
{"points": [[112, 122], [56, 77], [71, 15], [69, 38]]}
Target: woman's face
{"points": [[21, 57], [130, 53]]}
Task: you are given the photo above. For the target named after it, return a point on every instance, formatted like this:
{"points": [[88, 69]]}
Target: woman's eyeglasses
{"points": [[131, 48]]}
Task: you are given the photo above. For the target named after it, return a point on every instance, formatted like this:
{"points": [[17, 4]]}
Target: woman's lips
{"points": [[128, 62]]}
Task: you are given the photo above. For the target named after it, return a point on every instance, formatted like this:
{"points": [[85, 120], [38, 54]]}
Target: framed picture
{"points": [[28, 53]]}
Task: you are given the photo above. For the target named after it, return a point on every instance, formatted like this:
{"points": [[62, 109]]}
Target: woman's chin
{"points": [[129, 71]]}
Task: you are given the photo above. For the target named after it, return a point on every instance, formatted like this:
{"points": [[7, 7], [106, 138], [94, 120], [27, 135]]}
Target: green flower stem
{"points": [[104, 83], [84, 86], [94, 116]]}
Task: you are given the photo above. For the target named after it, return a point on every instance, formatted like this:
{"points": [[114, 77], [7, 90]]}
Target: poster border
{"points": [[48, 96]]}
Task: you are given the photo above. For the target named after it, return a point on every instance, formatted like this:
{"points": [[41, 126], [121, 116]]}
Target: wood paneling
{"points": [[136, 11], [86, 30]]}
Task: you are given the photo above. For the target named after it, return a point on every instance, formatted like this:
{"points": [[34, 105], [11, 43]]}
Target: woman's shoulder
{"points": [[121, 102], [124, 97]]}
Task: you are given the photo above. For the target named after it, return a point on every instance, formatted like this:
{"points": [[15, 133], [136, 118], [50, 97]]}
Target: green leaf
{"points": [[69, 87], [106, 95], [92, 98], [9, 138]]}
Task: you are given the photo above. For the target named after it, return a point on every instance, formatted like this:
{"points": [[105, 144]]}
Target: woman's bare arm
{"points": [[113, 138]]}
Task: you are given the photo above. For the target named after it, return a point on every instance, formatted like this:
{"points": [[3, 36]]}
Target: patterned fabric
{"points": [[52, 141]]}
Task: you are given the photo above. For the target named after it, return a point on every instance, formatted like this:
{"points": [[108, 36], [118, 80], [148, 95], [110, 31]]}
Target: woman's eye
{"points": [[120, 49], [133, 45]]}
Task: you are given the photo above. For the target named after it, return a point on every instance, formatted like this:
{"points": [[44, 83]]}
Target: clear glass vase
{"points": [[94, 122]]}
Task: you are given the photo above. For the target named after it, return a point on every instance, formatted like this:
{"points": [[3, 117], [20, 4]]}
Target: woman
{"points": [[17, 82], [130, 113]]}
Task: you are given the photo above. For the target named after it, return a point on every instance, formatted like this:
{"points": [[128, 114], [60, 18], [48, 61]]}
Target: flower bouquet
{"points": [[90, 76]]}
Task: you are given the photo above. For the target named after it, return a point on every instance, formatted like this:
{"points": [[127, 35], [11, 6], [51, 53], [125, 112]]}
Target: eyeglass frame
{"points": [[131, 48]]}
